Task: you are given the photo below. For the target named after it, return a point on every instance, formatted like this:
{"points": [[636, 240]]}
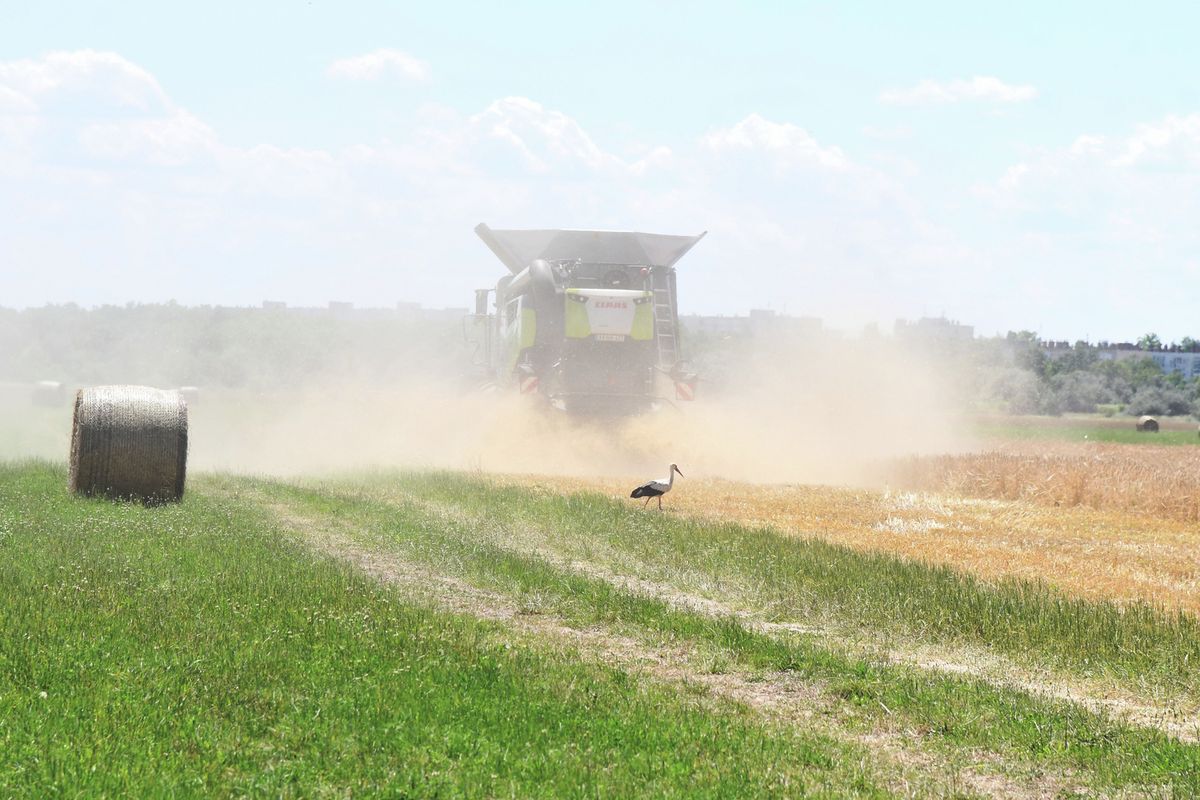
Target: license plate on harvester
{"points": [[608, 337]]}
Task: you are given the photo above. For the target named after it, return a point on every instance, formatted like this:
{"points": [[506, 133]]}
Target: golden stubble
{"points": [[1086, 552], [1155, 481]]}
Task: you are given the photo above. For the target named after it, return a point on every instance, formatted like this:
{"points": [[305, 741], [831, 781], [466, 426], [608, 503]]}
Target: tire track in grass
{"points": [[198, 645], [784, 698], [960, 661]]}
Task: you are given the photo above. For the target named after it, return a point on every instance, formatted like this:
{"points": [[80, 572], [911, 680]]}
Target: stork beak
{"points": [[679, 471]]}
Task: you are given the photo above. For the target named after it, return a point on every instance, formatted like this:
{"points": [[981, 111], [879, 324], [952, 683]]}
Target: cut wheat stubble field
{"points": [[1101, 521], [1146, 480]]}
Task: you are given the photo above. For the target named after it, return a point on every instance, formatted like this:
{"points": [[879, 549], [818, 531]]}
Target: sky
{"points": [[1024, 165]]}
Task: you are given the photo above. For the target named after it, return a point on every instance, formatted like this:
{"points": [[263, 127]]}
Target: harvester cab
{"points": [[588, 320]]}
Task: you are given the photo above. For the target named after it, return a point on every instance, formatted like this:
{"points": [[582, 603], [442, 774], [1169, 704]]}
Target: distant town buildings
{"points": [[403, 310], [1169, 359], [415, 311], [759, 322], [1187, 364], [934, 330]]}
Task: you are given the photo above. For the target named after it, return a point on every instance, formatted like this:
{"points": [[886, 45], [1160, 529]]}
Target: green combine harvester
{"points": [[588, 321]]}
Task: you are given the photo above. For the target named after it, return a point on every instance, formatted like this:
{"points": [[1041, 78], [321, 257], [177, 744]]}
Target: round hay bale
{"points": [[1147, 425], [129, 443]]}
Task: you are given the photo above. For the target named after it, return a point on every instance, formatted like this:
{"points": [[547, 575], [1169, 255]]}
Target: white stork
{"points": [[657, 488]]}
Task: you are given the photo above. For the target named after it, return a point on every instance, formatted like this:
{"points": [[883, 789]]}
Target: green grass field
{"points": [[421, 635], [1087, 428], [195, 650]]}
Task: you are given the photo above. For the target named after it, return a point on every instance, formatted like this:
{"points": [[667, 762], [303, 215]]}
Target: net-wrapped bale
{"points": [[1147, 425], [129, 443]]}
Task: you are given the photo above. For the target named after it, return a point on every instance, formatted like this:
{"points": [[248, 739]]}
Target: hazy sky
{"points": [[1035, 165]]}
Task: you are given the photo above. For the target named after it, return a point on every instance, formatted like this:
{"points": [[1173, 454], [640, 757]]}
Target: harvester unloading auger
{"points": [[589, 320]]}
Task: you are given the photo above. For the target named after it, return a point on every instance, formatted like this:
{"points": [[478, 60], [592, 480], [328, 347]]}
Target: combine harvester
{"points": [[587, 320]]}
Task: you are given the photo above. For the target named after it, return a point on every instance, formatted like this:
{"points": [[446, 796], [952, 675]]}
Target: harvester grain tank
{"points": [[588, 320]]}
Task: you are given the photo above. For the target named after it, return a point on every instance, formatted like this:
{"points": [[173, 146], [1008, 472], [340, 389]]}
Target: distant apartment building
{"points": [[1186, 363], [413, 312], [934, 330]]}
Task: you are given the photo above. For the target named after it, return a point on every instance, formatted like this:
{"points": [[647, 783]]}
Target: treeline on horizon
{"points": [[1016, 374], [279, 348], [170, 345], [1010, 374]]}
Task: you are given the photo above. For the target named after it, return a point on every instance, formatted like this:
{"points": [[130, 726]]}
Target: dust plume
{"points": [[816, 412], [290, 391]]}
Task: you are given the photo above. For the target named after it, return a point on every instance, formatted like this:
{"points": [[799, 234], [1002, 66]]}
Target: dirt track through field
{"points": [[918, 769], [1178, 720]]}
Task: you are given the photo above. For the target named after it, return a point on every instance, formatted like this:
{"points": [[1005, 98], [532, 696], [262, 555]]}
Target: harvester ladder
{"points": [[666, 322]]}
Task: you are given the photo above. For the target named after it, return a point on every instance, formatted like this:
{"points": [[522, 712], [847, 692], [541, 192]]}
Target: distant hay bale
{"points": [[129, 443], [1147, 425]]}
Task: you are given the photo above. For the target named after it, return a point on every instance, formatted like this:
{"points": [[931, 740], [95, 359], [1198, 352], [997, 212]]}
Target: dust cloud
{"points": [[818, 412], [311, 392]]}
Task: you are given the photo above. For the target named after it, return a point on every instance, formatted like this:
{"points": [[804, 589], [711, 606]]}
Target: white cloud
{"points": [[286, 173], [115, 192], [1087, 146], [18, 116], [1163, 154], [1102, 212], [170, 140], [13, 103], [980, 89], [379, 63], [544, 138], [540, 136], [789, 145], [1173, 143], [107, 106], [100, 75], [1012, 177], [157, 205], [660, 157]]}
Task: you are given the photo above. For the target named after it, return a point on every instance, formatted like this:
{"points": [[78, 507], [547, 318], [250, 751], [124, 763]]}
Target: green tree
{"points": [[1026, 347], [1080, 357], [1028, 338], [1149, 342], [1144, 372]]}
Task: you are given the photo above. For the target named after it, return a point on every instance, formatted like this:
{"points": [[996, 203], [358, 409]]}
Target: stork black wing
{"points": [[646, 490]]}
